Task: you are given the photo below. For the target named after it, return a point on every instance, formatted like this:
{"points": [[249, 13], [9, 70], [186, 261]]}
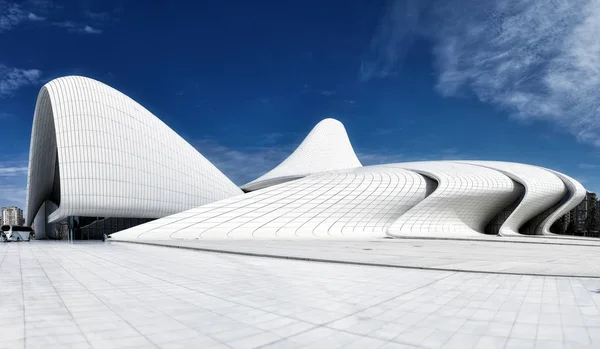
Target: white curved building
{"points": [[575, 195], [100, 163], [355, 203], [97, 153], [327, 147], [465, 201], [543, 189]]}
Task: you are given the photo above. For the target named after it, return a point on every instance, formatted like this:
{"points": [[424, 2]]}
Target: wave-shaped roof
{"points": [[96, 152]]}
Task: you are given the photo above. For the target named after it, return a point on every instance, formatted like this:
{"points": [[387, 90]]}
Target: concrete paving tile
{"points": [[117, 295]]}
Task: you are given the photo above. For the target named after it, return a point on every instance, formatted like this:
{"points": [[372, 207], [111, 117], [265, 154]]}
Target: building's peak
{"points": [[326, 148]]}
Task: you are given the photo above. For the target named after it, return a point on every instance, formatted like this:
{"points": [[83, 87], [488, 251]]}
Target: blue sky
{"points": [[244, 81]]}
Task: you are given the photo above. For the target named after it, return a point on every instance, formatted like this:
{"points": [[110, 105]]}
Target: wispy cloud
{"points": [[13, 195], [99, 16], [11, 14], [538, 59], [80, 28], [11, 79], [243, 164], [328, 93], [12, 171], [89, 30], [589, 166], [379, 156], [33, 17], [392, 39], [387, 156], [13, 182]]}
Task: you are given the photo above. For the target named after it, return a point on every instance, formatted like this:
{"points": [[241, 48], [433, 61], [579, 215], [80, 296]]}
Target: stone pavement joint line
{"points": [[474, 256], [109, 295]]}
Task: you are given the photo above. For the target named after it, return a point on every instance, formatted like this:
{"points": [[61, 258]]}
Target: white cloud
{"points": [[11, 79], [13, 195], [538, 59], [588, 166], [34, 17], [242, 165], [387, 156], [392, 39], [328, 93], [13, 183], [12, 171], [378, 157], [64, 24], [11, 14], [99, 16], [89, 30]]}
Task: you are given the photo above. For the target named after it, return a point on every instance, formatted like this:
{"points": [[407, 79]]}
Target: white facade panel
{"points": [[543, 189], [96, 152], [466, 199], [354, 203], [574, 196]]}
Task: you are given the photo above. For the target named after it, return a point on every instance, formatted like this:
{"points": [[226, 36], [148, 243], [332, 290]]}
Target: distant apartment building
{"points": [[585, 216], [12, 215]]}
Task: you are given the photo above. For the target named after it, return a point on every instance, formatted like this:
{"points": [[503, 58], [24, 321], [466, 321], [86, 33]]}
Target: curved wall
{"points": [[465, 201], [574, 196], [113, 157], [543, 189]]}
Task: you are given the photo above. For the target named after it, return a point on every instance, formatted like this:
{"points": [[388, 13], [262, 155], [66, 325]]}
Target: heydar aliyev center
{"points": [[100, 163]]}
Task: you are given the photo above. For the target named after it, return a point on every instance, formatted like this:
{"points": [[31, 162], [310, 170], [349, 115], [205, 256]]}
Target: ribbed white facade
{"points": [[543, 189], [466, 199], [96, 152], [575, 195], [326, 148], [355, 203]]}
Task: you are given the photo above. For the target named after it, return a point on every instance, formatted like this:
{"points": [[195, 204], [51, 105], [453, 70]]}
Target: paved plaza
{"points": [[567, 256], [122, 295]]}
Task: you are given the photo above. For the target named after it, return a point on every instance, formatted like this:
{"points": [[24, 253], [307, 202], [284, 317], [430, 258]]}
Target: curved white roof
{"points": [[360, 202], [326, 148], [96, 152], [466, 199], [543, 189], [415, 199]]}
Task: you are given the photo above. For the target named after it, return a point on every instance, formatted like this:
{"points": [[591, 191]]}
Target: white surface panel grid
{"points": [[360, 202], [115, 157], [466, 199], [543, 189], [326, 148], [576, 194]]}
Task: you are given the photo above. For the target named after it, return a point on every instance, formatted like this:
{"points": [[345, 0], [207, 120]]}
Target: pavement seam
{"points": [[337, 261]]}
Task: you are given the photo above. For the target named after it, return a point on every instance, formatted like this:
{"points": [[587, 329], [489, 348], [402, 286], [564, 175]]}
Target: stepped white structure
{"points": [[100, 162]]}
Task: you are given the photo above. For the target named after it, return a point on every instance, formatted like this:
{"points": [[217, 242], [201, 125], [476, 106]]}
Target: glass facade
{"points": [[91, 228]]}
